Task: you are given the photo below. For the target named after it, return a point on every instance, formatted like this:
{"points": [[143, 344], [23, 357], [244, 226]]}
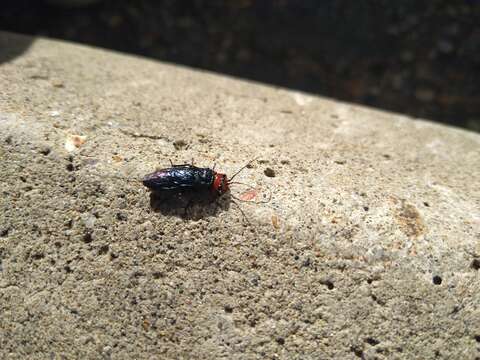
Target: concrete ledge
{"points": [[369, 247]]}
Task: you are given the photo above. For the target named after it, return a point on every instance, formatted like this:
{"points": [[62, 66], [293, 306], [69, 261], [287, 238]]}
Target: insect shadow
{"points": [[189, 205]]}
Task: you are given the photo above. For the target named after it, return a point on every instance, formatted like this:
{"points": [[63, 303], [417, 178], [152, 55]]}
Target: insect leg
{"points": [[182, 165], [185, 209], [243, 214]]}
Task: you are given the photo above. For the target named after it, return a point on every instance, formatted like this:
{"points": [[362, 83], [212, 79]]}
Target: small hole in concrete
{"points": [[70, 167], [280, 340], [45, 150], [307, 262], [366, 208], [122, 216], [74, 311], [179, 144], [477, 338], [38, 256], [475, 265], [328, 284], [88, 237], [228, 309], [4, 232], [157, 275], [437, 280], [358, 352], [69, 224], [103, 249], [269, 172], [372, 341], [426, 204]]}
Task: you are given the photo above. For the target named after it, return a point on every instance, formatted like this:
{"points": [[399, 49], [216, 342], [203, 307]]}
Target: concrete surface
{"points": [[369, 247]]}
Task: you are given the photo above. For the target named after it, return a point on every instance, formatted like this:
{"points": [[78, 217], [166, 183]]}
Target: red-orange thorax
{"points": [[220, 184]]}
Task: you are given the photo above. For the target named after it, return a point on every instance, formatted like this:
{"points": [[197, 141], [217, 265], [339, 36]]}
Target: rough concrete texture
{"points": [[369, 247]]}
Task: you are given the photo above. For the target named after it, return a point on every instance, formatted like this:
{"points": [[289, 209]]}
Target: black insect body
{"points": [[187, 178]]}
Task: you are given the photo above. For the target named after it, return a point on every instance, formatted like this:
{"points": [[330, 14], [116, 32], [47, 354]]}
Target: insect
{"points": [[171, 186], [189, 178]]}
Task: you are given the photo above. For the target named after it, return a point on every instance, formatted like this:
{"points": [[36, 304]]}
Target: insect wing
{"points": [[176, 178]]}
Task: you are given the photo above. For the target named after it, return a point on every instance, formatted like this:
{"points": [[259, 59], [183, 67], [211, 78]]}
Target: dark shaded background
{"points": [[415, 57]]}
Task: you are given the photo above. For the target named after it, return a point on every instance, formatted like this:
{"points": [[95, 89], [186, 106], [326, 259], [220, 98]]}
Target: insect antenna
{"points": [[243, 167], [241, 183]]}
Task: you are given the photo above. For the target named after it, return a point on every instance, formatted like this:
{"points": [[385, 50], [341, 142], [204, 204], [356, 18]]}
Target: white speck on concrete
{"points": [[301, 99]]}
